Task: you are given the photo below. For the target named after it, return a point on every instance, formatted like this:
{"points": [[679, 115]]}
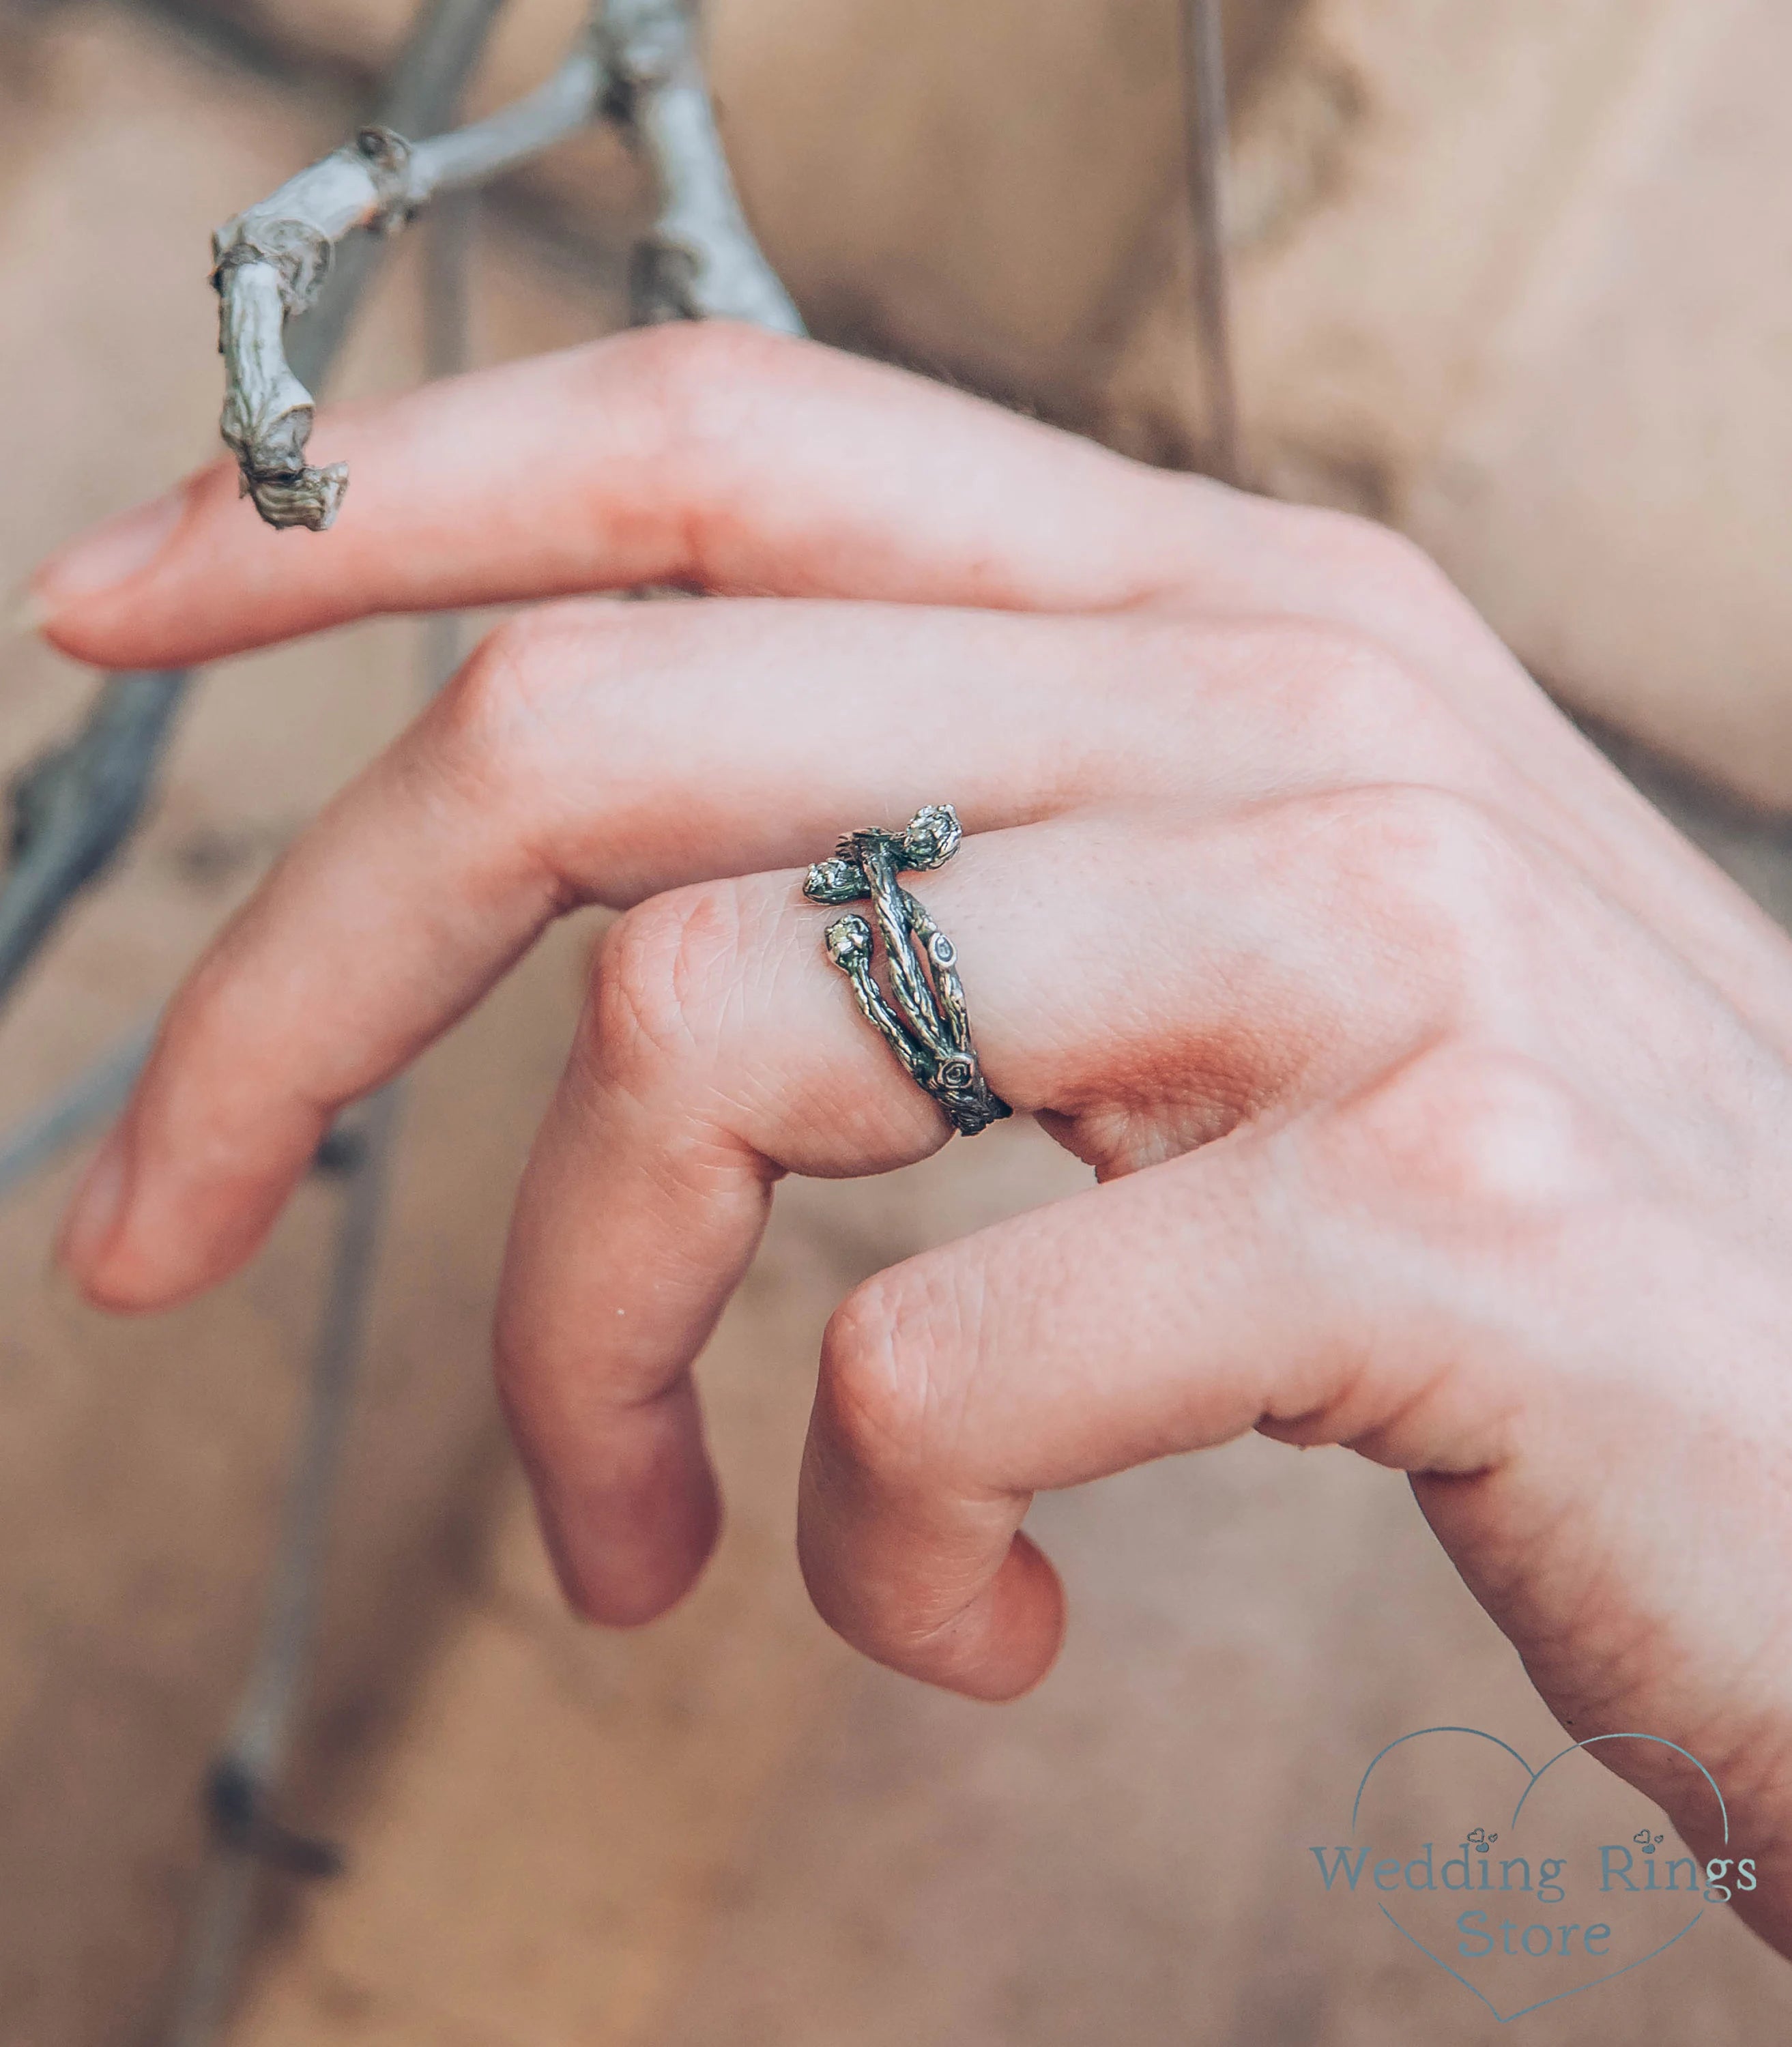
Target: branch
{"points": [[269, 263], [73, 808], [484, 150], [99, 1091], [244, 1786], [636, 60], [701, 262]]}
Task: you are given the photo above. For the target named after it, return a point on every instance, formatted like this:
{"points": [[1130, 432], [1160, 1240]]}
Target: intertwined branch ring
{"points": [[924, 1018]]}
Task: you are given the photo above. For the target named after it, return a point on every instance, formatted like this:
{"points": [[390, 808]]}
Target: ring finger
{"points": [[1148, 982]]}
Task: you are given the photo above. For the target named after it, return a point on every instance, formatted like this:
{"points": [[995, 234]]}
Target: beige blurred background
{"points": [[1515, 278]]}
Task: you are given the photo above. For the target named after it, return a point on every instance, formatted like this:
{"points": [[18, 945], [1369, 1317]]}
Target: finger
{"points": [[601, 751], [721, 1050], [736, 462], [731, 460], [715, 456], [1166, 1313]]}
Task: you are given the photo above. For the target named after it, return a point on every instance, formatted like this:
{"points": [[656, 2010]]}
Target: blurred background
{"points": [[1516, 279]]}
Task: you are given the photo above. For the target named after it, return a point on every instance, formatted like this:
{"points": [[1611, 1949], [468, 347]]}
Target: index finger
{"points": [[712, 456]]}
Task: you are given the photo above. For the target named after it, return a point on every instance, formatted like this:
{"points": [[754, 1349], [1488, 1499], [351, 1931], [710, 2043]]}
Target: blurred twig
{"points": [[243, 1785], [75, 807], [1204, 93], [701, 262], [101, 1091]]}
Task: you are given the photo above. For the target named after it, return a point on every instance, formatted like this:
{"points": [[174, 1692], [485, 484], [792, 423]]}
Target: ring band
{"points": [[924, 1018]]}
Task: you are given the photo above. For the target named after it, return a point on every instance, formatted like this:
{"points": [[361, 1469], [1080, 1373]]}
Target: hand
{"points": [[1439, 1092]]}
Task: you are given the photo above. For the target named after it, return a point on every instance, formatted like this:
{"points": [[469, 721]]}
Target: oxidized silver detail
{"points": [[923, 1019]]}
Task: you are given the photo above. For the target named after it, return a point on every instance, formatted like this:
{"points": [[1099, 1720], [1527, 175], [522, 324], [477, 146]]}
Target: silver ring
{"points": [[922, 1018]]}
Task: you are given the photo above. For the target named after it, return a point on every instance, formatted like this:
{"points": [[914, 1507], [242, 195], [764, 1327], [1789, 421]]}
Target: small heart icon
{"points": [[1571, 1932]]}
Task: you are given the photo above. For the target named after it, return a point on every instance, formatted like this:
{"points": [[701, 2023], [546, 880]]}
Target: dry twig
{"points": [[269, 263], [636, 61]]}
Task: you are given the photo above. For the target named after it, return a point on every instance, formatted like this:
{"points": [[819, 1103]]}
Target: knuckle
{"points": [[1475, 1126], [1374, 556], [573, 681], [681, 358], [495, 743], [1436, 882], [1429, 838], [1345, 683], [877, 1376], [1354, 680], [474, 719], [664, 975], [1317, 697], [1394, 560], [692, 379], [500, 702]]}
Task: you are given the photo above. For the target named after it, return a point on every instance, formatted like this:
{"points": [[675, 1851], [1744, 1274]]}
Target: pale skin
{"points": [[1439, 1096]]}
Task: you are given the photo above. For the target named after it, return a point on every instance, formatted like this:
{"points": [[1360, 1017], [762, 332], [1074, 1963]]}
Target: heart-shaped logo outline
{"points": [[1535, 1777]]}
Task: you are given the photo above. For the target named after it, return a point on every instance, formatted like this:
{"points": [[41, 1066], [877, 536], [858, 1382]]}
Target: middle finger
{"points": [[599, 751]]}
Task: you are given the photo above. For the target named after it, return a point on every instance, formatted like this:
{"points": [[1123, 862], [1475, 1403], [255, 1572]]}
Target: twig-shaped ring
{"points": [[924, 1018]]}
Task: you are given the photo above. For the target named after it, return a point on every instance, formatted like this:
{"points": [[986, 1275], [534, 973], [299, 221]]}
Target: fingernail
{"points": [[93, 1215], [111, 554]]}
